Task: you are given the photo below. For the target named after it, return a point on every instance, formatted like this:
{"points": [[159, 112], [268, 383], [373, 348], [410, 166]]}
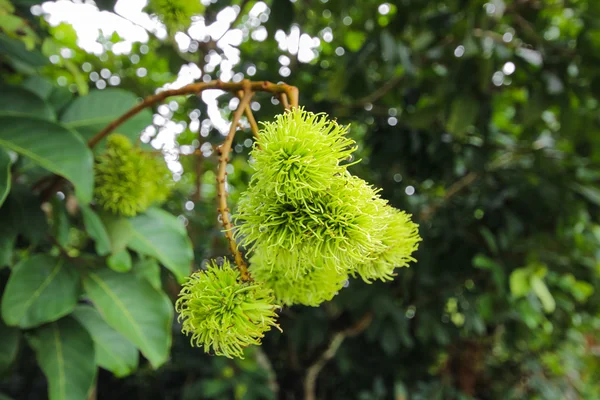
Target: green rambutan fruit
{"points": [[224, 314], [400, 238], [299, 153], [307, 222], [310, 288], [176, 14], [339, 227], [129, 180]]}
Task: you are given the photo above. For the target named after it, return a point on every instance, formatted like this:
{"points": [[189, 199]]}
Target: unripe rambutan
{"points": [[299, 153], [338, 227], [310, 288], [223, 314], [129, 180], [400, 238]]}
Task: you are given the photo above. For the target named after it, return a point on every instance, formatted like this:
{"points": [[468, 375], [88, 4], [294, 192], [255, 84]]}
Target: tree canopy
{"points": [[480, 118]]}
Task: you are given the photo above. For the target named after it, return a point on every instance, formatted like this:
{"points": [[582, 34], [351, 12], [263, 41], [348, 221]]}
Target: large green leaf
{"points": [[65, 352], [113, 351], [5, 163], [160, 234], [21, 102], [89, 114], [9, 345], [40, 289], [21, 214], [135, 309], [53, 147], [95, 228], [26, 60], [41, 86], [148, 268]]}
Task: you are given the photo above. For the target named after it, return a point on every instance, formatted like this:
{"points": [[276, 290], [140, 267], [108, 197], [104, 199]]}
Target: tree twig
{"points": [[224, 150], [263, 361], [251, 119], [284, 101], [379, 92], [196, 88], [454, 189], [312, 373]]}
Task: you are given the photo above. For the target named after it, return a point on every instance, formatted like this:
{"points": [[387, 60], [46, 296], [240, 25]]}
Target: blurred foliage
{"points": [[478, 117]]}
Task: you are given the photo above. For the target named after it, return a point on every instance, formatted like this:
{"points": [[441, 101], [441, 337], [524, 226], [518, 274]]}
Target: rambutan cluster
{"points": [[308, 225], [307, 222]]}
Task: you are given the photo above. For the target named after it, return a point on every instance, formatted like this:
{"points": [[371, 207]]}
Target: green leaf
{"points": [[5, 163], [120, 261], [463, 113], [40, 289], [113, 351], [541, 290], [9, 345], [65, 352], [39, 85], [490, 239], [89, 114], [60, 222], [160, 234], [95, 228], [483, 262], [389, 50], [148, 269], [22, 214], [354, 40], [581, 291], [7, 243], [519, 282], [118, 229], [17, 101], [589, 192], [26, 60], [135, 309], [52, 146]]}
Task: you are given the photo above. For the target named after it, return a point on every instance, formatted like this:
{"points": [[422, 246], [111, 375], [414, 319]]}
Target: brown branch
{"points": [[252, 121], [379, 92], [224, 150], [312, 373], [454, 189], [195, 88], [284, 101], [250, 117]]}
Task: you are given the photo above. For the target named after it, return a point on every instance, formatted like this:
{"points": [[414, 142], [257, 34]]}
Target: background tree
{"points": [[480, 118]]}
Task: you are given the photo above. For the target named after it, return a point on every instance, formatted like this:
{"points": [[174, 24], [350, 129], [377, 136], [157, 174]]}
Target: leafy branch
{"points": [[245, 90]]}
